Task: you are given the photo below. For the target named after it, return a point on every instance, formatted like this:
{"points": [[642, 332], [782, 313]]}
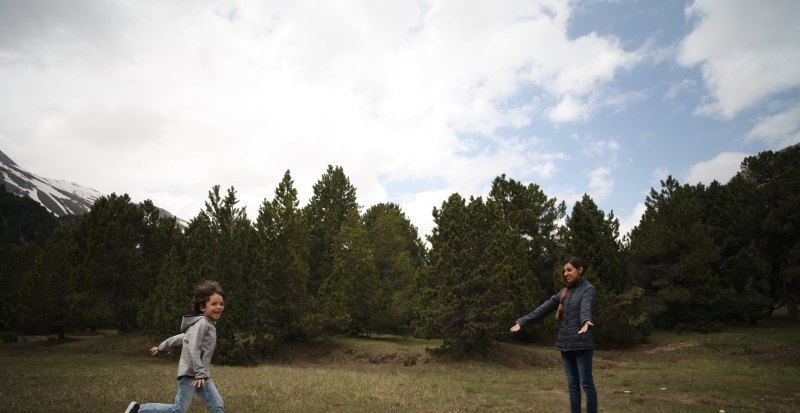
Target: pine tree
{"points": [[200, 257], [333, 200], [283, 302], [171, 297], [350, 297], [744, 270], [773, 179], [57, 265], [17, 261], [44, 295], [399, 257], [159, 237], [224, 250], [121, 246], [676, 259], [110, 240], [23, 220], [469, 275], [535, 253], [594, 237], [446, 255]]}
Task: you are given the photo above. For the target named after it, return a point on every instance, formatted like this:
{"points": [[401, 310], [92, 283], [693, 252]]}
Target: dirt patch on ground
{"points": [[406, 358], [666, 394], [523, 356], [671, 347], [332, 353], [377, 351]]}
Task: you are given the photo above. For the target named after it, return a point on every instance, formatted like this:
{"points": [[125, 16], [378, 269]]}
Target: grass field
{"points": [[743, 369]]}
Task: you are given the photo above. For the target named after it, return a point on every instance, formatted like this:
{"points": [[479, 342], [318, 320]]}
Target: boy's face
{"points": [[214, 307]]}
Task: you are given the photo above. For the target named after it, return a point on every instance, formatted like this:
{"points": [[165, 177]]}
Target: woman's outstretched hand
{"points": [[515, 328], [586, 327]]}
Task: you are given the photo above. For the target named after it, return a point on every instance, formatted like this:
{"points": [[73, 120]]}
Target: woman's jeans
{"points": [[208, 394], [578, 366]]}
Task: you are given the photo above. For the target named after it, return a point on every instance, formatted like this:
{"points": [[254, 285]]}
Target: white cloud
{"points": [[627, 223], [162, 101], [420, 207], [577, 67], [721, 169], [778, 131], [600, 183], [747, 51], [567, 110], [659, 174], [605, 149], [677, 89]]}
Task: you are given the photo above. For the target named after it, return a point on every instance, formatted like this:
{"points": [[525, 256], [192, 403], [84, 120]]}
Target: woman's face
{"points": [[571, 273]]}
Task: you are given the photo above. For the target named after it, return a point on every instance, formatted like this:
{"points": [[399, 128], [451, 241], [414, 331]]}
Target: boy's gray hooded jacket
{"points": [[198, 338], [577, 311]]}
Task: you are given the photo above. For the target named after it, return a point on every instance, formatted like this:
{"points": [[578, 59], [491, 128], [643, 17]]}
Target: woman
{"points": [[573, 305]]}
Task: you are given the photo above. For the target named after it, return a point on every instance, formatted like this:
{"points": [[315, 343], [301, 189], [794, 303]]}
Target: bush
{"points": [[235, 355], [244, 352], [619, 319], [8, 337]]}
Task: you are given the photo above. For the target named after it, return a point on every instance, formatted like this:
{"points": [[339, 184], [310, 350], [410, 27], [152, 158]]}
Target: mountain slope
{"points": [[59, 197]]}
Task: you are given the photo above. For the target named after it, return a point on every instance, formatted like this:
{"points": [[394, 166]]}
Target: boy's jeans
{"points": [[578, 366], [208, 394]]}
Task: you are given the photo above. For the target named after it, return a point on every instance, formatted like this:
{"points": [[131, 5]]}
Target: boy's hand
{"points": [[199, 383], [153, 351]]}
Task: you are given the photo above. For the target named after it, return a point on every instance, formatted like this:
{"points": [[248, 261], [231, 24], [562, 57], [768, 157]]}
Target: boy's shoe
{"points": [[132, 408]]}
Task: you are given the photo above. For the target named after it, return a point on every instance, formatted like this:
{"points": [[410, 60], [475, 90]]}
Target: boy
{"points": [[198, 338]]}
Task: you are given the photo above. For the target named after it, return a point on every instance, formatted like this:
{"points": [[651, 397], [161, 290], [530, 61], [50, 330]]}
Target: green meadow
{"points": [[742, 369]]}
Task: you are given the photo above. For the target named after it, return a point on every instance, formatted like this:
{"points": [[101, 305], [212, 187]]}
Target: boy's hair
{"points": [[203, 292]]}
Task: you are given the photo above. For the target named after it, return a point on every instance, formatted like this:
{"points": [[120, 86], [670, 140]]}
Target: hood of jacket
{"points": [[190, 320]]}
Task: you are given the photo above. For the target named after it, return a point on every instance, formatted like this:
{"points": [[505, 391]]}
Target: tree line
{"points": [[701, 257]]}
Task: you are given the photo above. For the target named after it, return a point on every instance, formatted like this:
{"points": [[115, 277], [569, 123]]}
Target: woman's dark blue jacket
{"points": [[577, 311]]}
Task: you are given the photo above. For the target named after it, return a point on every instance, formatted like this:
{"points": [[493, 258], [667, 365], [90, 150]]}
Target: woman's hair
{"points": [[577, 263], [203, 292]]}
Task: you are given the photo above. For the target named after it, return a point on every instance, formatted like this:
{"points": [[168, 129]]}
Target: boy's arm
{"points": [[166, 345]]}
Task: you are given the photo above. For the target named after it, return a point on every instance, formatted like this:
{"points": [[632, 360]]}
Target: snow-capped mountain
{"points": [[59, 197]]}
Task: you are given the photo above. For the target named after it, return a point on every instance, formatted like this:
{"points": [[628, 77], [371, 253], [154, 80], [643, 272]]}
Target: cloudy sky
{"points": [[416, 100]]}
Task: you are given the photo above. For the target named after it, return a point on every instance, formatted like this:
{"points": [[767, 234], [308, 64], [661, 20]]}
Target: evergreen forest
{"points": [[702, 257]]}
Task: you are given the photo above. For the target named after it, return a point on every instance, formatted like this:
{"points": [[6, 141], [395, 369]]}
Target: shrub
{"points": [[8, 337], [619, 319]]}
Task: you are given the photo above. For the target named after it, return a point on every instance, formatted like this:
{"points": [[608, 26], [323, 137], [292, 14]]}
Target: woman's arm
{"points": [[549, 305], [587, 300]]}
